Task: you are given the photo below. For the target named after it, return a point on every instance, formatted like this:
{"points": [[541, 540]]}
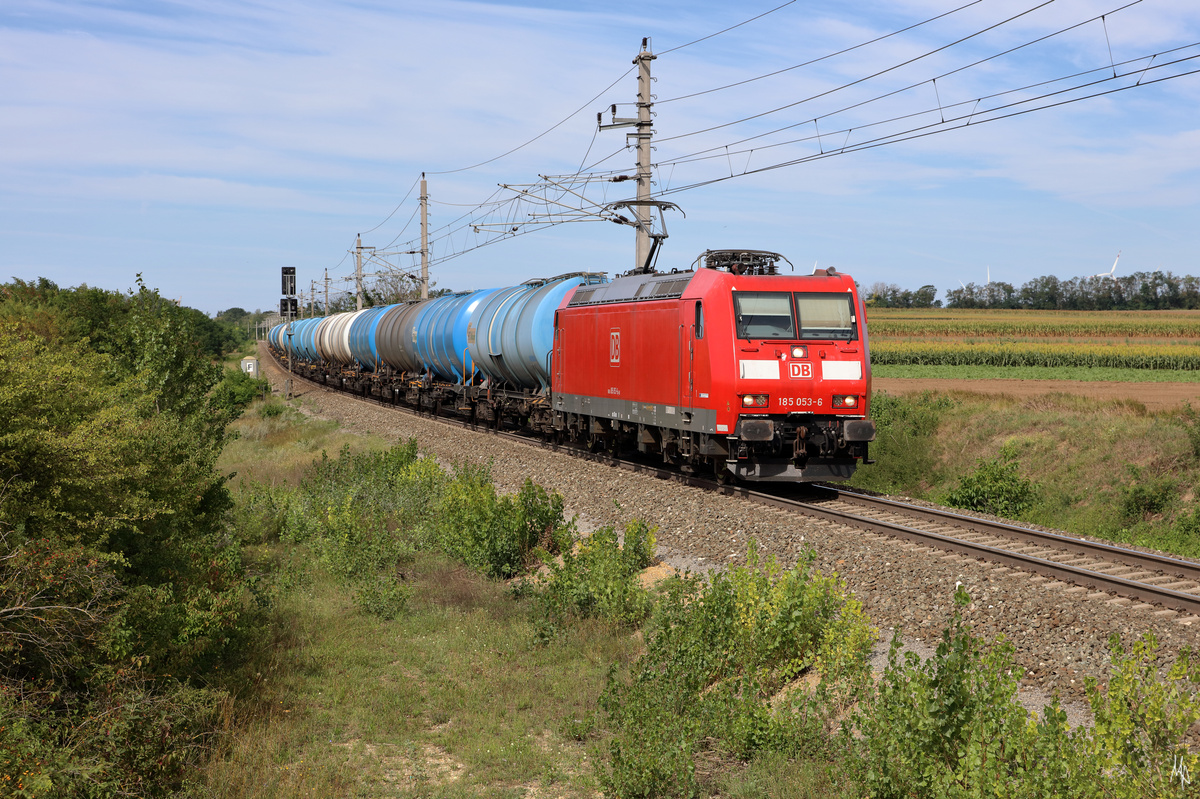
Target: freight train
{"points": [[730, 366]]}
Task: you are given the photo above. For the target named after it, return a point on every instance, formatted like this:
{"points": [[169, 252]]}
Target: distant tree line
{"points": [[1140, 291], [100, 315], [889, 295]]}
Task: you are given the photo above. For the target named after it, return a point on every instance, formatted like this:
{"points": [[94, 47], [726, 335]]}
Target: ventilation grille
{"points": [[650, 290], [671, 288], [581, 297]]}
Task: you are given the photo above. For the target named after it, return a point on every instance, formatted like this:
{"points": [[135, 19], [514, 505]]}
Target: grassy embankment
{"points": [[451, 697]]}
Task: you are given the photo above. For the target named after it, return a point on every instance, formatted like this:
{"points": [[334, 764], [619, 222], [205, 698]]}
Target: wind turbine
{"points": [[1111, 272]]}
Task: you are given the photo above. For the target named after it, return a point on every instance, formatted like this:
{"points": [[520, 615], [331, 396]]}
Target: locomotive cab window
{"points": [[826, 316], [699, 326], [763, 314]]}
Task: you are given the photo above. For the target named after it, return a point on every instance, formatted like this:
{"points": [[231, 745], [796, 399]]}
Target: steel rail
{"points": [[1148, 560], [1167, 597]]}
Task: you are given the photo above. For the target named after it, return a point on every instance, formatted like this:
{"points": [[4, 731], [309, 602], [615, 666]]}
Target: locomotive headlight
{"points": [[754, 400], [799, 352], [845, 401]]}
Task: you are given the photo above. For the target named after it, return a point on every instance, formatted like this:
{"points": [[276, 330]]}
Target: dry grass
{"points": [[277, 449], [453, 699]]}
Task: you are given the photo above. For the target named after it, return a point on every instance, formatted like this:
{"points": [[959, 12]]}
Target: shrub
{"points": [[128, 739], [930, 723], [1143, 498], [994, 487], [356, 512], [498, 535], [718, 654], [1138, 744], [382, 595], [1191, 426], [952, 726], [1187, 526], [236, 391], [601, 578], [272, 408]]}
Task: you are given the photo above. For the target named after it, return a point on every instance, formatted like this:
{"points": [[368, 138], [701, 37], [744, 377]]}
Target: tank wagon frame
{"points": [[729, 366]]}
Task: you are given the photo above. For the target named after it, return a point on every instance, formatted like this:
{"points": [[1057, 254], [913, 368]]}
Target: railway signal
{"points": [[289, 307]]}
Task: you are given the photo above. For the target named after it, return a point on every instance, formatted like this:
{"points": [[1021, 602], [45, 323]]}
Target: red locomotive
{"points": [[762, 375]]}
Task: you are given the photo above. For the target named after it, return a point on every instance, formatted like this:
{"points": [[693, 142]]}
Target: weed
{"points": [[272, 408], [383, 596], [718, 652], [1191, 426], [1141, 722], [599, 579], [498, 535], [905, 447], [1145, 497], [995, 487], [951, 726]]}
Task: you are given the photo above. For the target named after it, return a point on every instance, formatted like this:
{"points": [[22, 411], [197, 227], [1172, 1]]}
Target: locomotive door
{"points": [[690, 331], [557, 359], [685, 369]]}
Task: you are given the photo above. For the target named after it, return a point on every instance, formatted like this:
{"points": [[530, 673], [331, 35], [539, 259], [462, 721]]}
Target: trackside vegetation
{"points": [[750, 682]]}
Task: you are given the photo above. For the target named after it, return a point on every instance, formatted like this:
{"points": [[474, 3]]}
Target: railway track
{"points": [[1105, 569], [1172, 583]]}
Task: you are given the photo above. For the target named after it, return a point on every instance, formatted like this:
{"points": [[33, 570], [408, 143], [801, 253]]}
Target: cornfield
{"points": [[1051, 354], [1161, 340], [888, 322]]}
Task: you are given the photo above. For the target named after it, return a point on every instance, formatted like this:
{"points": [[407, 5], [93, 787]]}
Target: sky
{"points": [[204, 144]]}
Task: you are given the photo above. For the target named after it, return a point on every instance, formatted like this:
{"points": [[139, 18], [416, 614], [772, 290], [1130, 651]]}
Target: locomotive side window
{"points": [[763, 314], [699, 319], [828, 316]]}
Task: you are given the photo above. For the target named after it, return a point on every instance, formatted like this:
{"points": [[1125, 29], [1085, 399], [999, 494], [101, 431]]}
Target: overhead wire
{"points": [[865, 77], [680, 47], [917, 84], [818, 60], [942, 127], [727, 30], [394, 210], [549, 130], [564, 121]]}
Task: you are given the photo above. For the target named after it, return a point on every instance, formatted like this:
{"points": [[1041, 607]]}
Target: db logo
{"points": [[800, 371], [614, 347]]}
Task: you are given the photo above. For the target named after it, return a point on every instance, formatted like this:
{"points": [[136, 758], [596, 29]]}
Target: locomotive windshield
{"points": [[763, 314], [772, 315], [826, 316]]}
